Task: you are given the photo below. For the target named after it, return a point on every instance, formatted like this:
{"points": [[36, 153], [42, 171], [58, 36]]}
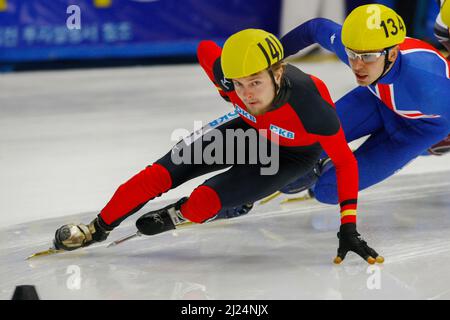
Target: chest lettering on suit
{"points": [[282, 132]]}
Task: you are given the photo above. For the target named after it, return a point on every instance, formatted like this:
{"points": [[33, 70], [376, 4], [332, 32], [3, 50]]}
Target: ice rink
{"points": [[68, 139]]}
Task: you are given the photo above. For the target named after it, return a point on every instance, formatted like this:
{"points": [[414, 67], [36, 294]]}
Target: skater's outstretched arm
{"points": [[325, 125], [325, 32], [208, 54]]}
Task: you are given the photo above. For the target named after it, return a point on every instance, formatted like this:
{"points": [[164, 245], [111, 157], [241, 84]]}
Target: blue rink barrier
{"points": [[40, 30]]}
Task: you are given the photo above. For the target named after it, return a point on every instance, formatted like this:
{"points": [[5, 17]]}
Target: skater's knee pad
{"points": [[155, 179], [203, 204], [151, 182], [133, 194], [326, 193]]}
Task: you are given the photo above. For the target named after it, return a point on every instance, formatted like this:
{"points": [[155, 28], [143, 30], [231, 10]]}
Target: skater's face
{"points": [[257, 91], [368, 65]]}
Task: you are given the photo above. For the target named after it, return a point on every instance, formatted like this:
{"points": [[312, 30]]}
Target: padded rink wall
{"points": [[295, 12], [49, 30]]}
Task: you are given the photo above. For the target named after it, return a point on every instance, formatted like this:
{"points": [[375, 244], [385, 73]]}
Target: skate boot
{"points": [[161, 220], [308, 180], [234, 212], [70, 236], [440, 148]]}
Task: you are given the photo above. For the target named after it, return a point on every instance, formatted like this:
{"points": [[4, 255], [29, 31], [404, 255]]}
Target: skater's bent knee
{"points": [[203, 204]]}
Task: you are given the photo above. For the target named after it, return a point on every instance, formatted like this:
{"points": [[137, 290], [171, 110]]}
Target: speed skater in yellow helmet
{"points": [[245, 55], [368, 33]]}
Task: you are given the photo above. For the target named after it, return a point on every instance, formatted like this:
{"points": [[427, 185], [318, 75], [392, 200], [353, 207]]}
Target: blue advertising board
{"points": [[34, 30]]}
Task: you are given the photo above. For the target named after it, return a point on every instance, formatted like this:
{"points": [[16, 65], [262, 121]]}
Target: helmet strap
{"points": [[387, 64], [275, 85]]}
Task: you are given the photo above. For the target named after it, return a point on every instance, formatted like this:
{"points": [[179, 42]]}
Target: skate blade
{"points": [[271, 197], [187, 224], [298, 199], [138, 234], [126, 238], [44, 253]]}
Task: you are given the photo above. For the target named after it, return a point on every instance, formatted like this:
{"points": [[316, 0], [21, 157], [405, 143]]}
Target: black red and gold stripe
{"points": [[348, 211]]}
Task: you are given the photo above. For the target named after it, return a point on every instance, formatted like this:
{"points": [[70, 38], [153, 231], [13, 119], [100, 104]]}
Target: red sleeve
{"points": [[346, 173], [207, 53], [323, 90]]}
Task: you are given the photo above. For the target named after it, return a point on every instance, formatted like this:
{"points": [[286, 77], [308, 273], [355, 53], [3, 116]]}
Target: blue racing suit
{"points": [[405, 113]]}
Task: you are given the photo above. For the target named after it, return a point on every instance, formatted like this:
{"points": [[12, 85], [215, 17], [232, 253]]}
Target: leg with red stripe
{"points": [[202, 206], [128, 199]]}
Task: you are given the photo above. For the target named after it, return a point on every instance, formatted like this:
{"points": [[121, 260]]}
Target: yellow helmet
{"points": [[373, 27], [250, 51], [445, 12]]}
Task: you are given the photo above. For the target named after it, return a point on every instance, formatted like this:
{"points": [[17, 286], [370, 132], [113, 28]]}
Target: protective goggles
{"points": [[365, 57]]}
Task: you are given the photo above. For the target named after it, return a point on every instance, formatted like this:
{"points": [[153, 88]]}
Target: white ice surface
{"points": [[69, 139]]}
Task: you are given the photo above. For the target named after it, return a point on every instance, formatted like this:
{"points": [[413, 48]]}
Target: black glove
{"points": [[350, 240]]}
